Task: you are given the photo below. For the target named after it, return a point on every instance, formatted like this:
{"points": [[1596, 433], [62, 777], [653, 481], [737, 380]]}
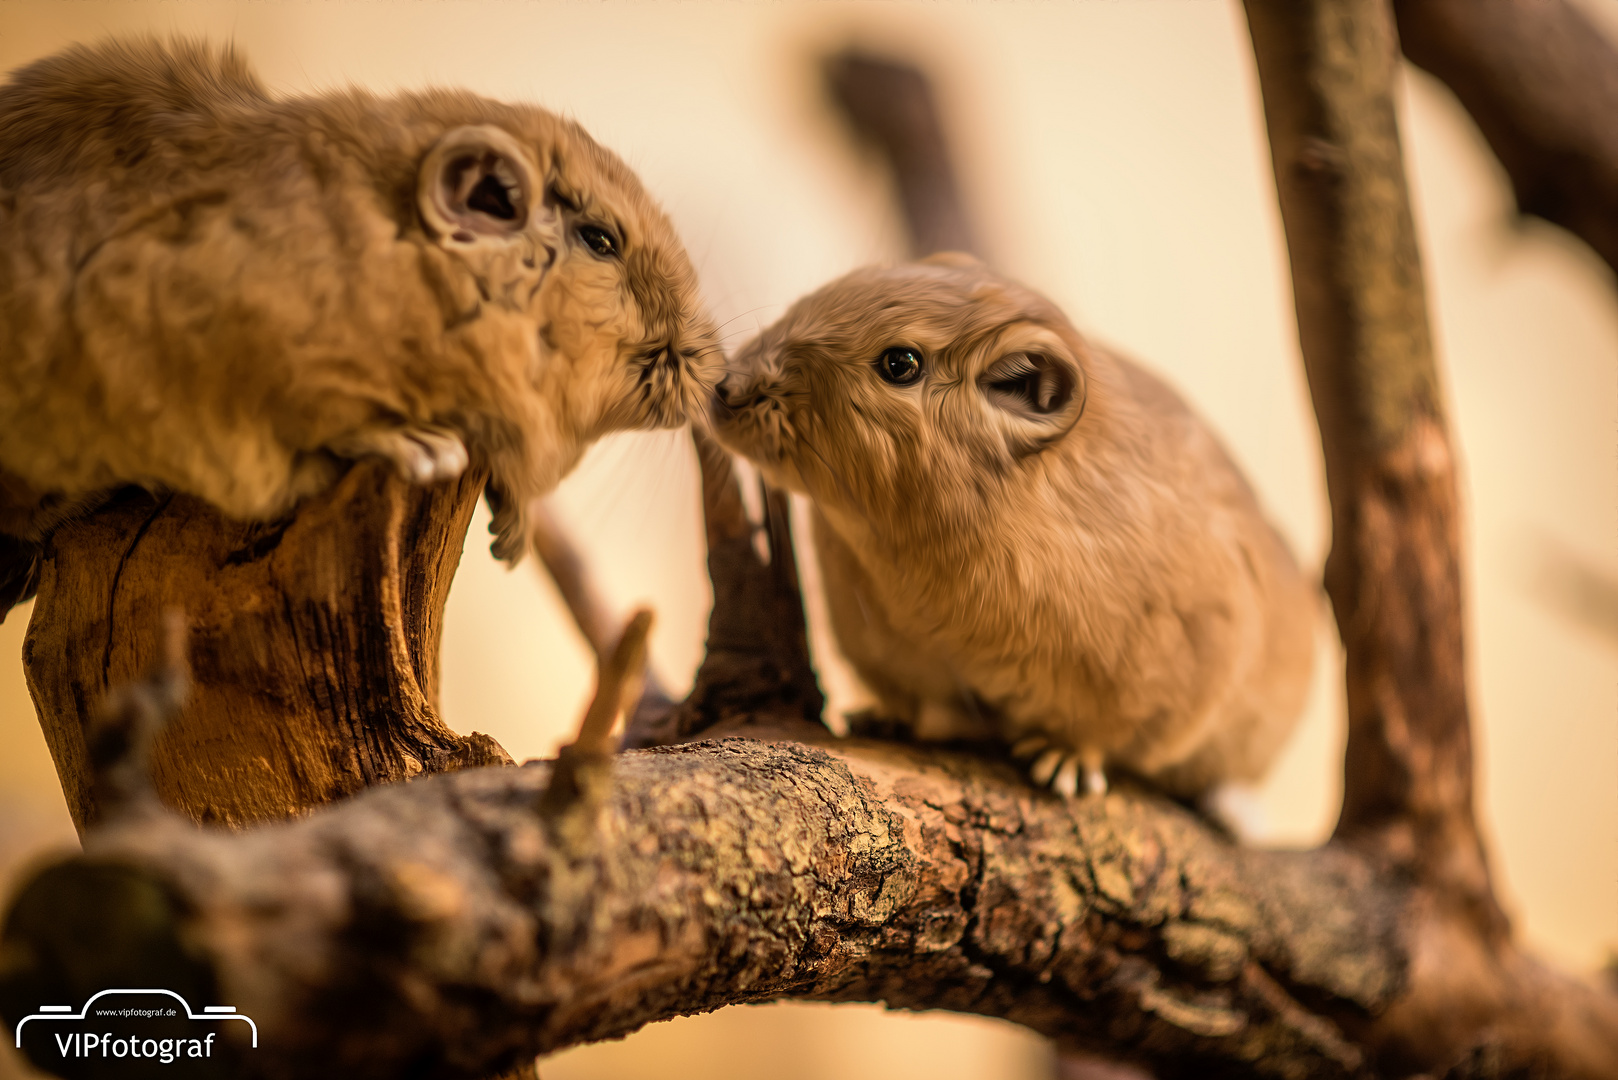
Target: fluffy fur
{"points": [[208, 290], [1033, 537]]}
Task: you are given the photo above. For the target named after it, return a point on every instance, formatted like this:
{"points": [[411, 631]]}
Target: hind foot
{"points": [[1061, 769], [422, 454]]}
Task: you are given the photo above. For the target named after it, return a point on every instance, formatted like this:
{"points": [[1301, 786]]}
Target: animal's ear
{"points": [[959, 260], [1034, 385], [476, 182]]}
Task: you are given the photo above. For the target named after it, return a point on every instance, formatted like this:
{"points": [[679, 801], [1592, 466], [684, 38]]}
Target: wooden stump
{"points": [[313, 642]]}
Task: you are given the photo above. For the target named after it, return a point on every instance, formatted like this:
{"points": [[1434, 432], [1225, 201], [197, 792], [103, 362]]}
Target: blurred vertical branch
{"points": [[1326, 71], [891, 104], [571, 574]]}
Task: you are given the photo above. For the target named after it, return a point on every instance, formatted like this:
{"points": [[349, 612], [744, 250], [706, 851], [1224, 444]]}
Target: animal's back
{"points": [[124, 168], [1272, 682], [99, 108]]}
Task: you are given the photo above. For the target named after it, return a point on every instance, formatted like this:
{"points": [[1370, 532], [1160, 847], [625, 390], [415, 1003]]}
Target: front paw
{"points": [[422, 453], [1061, 769]]}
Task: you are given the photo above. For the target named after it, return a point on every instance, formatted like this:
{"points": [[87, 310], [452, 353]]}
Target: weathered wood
{"points": [[462, 923], [1473, 1004], [314, 642], [1541, 82]]}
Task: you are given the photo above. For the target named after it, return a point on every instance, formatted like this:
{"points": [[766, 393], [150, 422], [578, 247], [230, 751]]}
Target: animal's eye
{"points": [[899, 365], [599, 240]]}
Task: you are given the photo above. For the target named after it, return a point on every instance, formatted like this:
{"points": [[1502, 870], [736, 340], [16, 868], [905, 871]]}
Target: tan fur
{"points": [[1098, 576], [208, 290]]}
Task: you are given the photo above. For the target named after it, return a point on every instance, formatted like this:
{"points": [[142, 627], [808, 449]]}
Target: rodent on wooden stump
{"points": [[1023, 536], [207, 290]]}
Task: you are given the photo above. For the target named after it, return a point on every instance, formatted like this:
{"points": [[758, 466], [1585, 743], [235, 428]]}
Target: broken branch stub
{"points": [[313, 642]]}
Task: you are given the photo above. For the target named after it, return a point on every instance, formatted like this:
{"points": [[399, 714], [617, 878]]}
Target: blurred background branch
{"points": [[1541, 82]]}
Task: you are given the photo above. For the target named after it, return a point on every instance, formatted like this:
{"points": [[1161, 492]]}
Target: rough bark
{"points": [[454, 925], [1325, 71], [461, 923], [1541, 82], [314, 642]]}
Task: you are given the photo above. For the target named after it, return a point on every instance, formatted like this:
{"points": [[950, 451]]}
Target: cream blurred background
{"points": [[1113, 156]]}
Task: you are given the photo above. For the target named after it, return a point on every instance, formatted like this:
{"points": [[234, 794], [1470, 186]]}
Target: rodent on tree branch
{"points": [[1023, 536], [211, 291]]}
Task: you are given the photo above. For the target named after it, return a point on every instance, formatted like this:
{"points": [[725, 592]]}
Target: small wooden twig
{"points": [[561, 559], [618, 682], [582, 772]]}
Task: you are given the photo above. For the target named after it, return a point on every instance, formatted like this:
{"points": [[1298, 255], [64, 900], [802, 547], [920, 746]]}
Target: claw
{"points": [[1043, 769], [1027, 746], [1095, 781], [1066, 783], [422, 454]]}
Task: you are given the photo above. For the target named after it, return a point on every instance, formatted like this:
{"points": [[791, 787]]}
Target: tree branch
{"points": [[1325, 71], [756, 666], [451, 927]]}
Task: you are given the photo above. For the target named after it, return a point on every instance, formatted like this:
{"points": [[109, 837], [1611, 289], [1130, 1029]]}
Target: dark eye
{"points": [[899, 365], [599, 240]]}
